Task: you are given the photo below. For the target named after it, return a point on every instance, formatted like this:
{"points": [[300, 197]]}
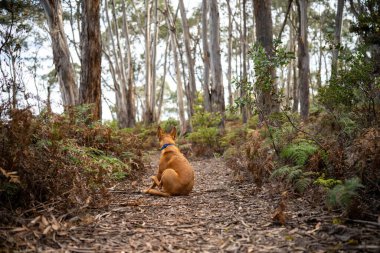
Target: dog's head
{"points": [[166, 138]]}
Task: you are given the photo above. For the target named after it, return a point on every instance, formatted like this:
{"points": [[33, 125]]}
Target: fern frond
{"points": [[281, 172], [301, 184], [299, 152], [342, 195], [294, 174]]}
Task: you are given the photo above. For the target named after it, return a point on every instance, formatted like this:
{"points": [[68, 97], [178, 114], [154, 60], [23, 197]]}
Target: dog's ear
{"points": [[159, 132], [173, 133]]}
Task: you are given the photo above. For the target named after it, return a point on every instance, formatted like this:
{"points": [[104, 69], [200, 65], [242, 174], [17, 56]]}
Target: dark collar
{"points": [[166, 145]]}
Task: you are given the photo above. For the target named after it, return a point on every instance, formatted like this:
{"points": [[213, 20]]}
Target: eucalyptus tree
{"points": [[206, 58], [337, 36], [90, 88], [190, 61], [303, 59], [61, 53], [174, 45], [266, 102], [217, 88]]}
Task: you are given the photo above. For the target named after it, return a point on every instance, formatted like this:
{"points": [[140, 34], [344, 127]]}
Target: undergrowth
{"points": [[60, 158]]}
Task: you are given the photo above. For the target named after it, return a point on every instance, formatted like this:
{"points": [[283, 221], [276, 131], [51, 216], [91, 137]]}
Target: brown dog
{"points": [[175, 175]]}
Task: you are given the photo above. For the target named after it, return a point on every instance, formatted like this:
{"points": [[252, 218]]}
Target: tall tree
{"points": [[190, 61], [229, 54], [116, 64], [61, 53], [337, 36], [174, 45], [244, 54], [206, 58], [130, 97], [149, 107], [217, 88], [303, 59], [90, 90], [264, 36]]}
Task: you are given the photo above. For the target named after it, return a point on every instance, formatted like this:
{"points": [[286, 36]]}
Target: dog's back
{"points": [[175, 174], [172, 158]]}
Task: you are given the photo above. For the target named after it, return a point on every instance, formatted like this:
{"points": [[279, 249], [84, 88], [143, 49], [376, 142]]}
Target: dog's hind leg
{"points": [[156, 182], [157, 193]]}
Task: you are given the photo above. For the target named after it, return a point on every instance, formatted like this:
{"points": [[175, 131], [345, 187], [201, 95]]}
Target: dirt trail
{"points": [[218, 216]]}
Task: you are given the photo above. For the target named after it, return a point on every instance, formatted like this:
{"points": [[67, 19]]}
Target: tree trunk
{"points": [[117, 76], [264, 36], [206, 59], [217, 89], [130, 99], [161, 96], [61, 53], [303, 60], [90, 88], [149, 114], [244, 54], [190, 61], [337, 36], [181, 108], [153, 62], [229, 70]]}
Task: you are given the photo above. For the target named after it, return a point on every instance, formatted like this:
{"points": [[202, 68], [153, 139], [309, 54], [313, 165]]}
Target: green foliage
{"points": [[283, 135], [349, 126], [295, 176], [206, 119], [353, 90], [264, 65], [234, 136], [342, 195], [327, 183], [168, 124], [253, 122], [205, 136], [299, 152]]}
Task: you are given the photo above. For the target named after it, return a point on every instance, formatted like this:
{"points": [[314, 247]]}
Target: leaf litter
{"points": [[220, 215]]}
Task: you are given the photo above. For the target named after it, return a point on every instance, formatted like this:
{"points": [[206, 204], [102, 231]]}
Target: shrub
{"points": [[342, 195], [86, 158], [205, 138], [206, 119], [353, 90], [168, 124]]}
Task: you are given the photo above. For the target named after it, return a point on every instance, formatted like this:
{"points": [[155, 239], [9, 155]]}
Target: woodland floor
{"points": [[220, 215]]}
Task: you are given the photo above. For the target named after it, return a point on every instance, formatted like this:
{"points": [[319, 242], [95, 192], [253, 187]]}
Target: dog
{"points": [[175, 175]]}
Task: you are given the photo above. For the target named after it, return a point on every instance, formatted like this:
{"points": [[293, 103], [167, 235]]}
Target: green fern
{"points": [[295, 176], [301, 184], [342, 195], [283, 171], [299, 152]]}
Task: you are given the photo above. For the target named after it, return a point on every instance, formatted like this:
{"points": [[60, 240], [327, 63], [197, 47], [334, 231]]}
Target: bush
{"points": [[205, 138], [353, 90], [86, 158]]}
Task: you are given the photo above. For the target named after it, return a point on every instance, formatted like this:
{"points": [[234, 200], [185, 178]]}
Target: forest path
{"points": [[220, 215]]}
